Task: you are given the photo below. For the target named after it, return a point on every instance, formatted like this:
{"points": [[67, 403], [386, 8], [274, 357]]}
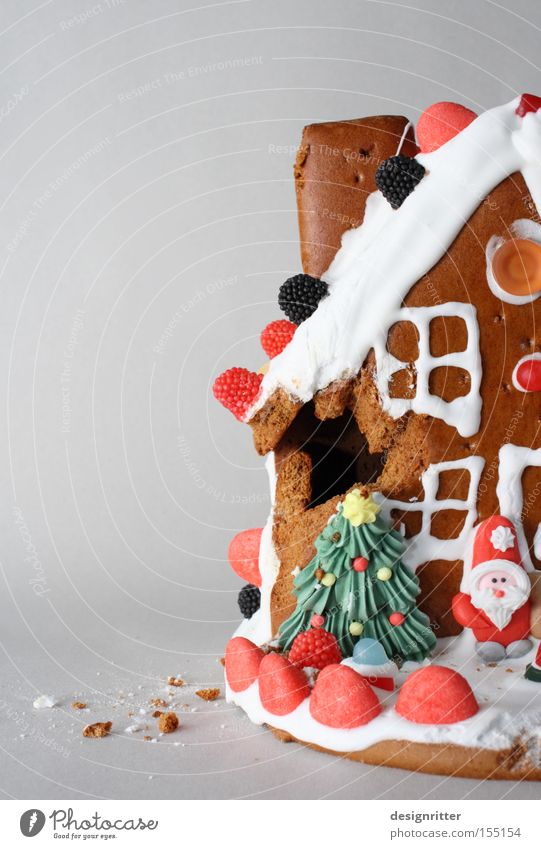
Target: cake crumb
{"points": [[222, 661], [158, 702], [146, 738], [208, 695], [97, 729], [168, 722], [157, 713], [173, 681], [78, 705]]}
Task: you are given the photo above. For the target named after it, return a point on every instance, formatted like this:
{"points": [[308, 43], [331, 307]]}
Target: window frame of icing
{"points": [[513, 462], [423, 547], [522, 228], [463, 412]]}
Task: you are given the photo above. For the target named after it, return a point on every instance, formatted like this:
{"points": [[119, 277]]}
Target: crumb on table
{"points": [[168, 722], [173, 681], [158, 702], [209, 694], [97, 729], [78, 705]]}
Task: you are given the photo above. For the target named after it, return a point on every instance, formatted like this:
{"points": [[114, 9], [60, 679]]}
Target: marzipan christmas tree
{"points": [[358, 582]]}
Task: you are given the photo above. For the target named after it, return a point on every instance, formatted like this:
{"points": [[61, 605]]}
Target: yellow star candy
{"points": [[359, 510]]}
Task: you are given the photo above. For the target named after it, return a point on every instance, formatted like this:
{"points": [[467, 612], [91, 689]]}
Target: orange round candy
{"points": [[516, 267]]}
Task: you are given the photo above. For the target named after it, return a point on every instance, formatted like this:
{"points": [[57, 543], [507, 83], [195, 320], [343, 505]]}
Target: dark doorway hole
{"points": [[339, 453]]}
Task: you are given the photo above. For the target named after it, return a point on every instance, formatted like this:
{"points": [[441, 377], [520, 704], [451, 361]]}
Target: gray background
{"points": [[148, 217]]}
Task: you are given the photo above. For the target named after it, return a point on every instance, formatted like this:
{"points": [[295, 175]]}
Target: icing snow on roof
{"points": [[381, 260]]}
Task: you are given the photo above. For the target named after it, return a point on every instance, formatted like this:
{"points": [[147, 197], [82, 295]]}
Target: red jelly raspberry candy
{"points": [[242, 661], [282, 686], [440, 123], [243, 555], [342, 698], [436, 695], [276, 336], [317, 648], [237, 389]]}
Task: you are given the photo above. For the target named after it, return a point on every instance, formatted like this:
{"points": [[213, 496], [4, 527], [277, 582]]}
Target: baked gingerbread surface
{"points": [[401, 420]]}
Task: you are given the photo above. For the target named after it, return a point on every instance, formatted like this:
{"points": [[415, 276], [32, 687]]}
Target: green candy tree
{"points": [[357, 581]]}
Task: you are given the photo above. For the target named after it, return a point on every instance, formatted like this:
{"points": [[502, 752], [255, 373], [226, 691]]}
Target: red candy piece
{"points": [[360, 564], [276, 336], [342, 698], [528, 103], [243, 555], [436, 695], [381, 682], [317, 621], [237, 389], [440, 123], [317, 648], [397, 618], [528, 375], [282, 686], [242, 661]]}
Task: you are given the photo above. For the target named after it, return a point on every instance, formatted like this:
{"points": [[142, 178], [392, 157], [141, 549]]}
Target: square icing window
{"points": [[453, 483], [403, 341], [449, 382], [448, 335], [448, 524]]}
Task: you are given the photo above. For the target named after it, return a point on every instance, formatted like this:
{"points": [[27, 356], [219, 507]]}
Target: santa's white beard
{"points": [[499, 610]]}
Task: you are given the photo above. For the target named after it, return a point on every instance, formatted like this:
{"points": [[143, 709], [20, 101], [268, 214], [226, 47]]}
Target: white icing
{"points": [[423, 546], [514, 459], [259, 628], [510, 708], [382, 670], [537, 542], [380, 261], [523, 228], [502, 538], [516, 384], [463, 412]]}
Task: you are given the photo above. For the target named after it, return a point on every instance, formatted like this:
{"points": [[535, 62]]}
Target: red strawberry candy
{"points": [[342, 698], [317, 648], [528, 103], [243, 555], [276, 336], [436, 695], [237, 389], [282, 686], [242, 661], [440, 123]]}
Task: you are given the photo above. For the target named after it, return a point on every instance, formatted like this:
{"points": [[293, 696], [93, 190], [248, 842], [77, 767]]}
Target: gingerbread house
{"points": [[417, 376]]}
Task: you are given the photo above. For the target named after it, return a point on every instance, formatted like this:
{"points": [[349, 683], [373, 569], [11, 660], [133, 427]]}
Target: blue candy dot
{"points": [[369, 651]]}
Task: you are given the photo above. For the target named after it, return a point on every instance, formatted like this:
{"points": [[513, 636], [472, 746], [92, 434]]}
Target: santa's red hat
{"points": [[495, 546]]}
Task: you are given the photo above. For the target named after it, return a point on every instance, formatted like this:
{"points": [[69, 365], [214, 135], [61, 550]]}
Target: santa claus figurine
{"points": [[495, 597]]}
